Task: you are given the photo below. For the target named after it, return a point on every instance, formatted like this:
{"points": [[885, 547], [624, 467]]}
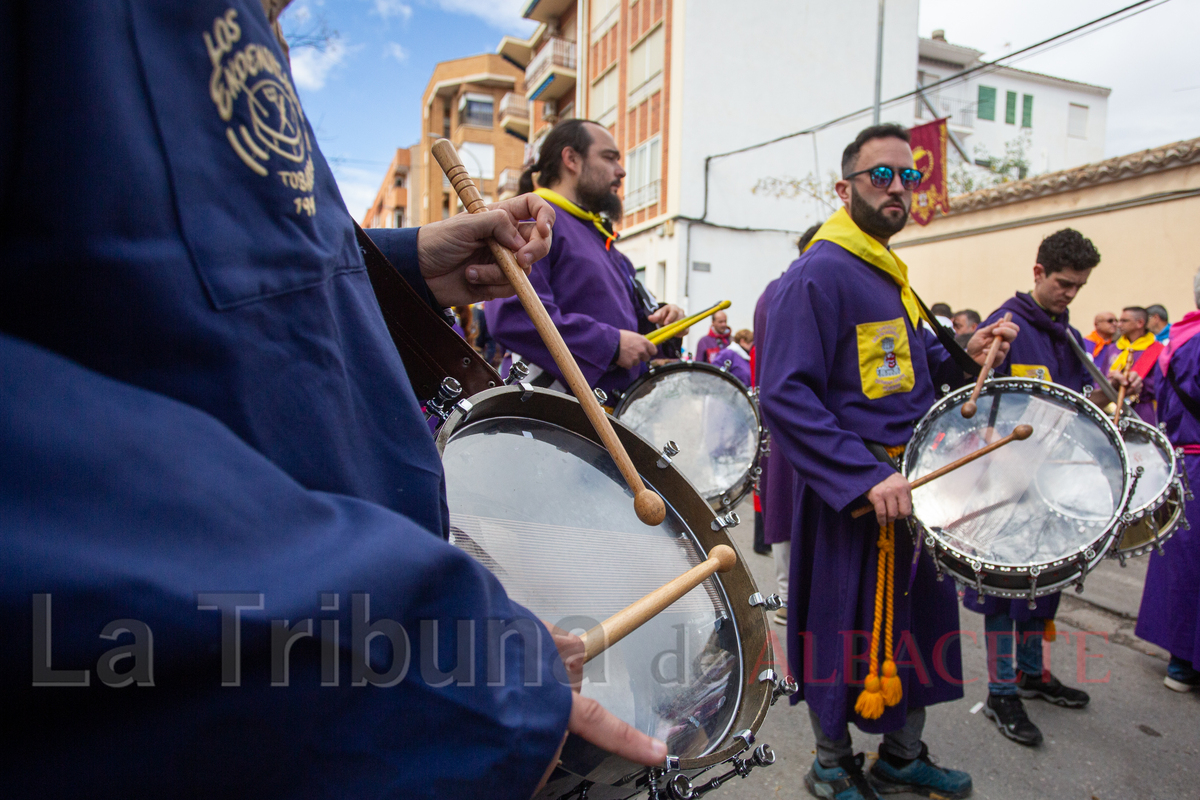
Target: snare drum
{"points": [[711, 417], [1033, 516], [536, 498], [1156, 503]]}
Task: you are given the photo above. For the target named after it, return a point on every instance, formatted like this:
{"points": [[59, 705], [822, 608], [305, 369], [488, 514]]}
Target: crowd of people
{"points": [[208, 431]]}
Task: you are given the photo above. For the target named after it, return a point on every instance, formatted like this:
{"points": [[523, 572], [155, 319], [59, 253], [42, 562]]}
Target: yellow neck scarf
{"points": [[1127, 349], [842, 231], [557, 199]]}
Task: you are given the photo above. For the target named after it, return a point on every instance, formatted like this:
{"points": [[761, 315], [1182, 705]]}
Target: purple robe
{"points": [[739, 365], [710, 344], [1041, 351], [1145, 404], [777, 509], [1171, 599], [821, 403], [589, 294]]}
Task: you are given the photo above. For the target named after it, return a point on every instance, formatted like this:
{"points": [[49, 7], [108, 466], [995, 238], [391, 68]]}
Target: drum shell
{"points": [[580, 758], [1028, 581], [1152, 523], [721, 501]]}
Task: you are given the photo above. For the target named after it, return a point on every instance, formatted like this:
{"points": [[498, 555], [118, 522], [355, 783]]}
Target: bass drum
{"points": [[535, 497], [1033, 516], [710, 416], [1156, 504]]}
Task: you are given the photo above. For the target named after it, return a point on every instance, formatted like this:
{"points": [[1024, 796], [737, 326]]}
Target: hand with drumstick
{"points": [[1129, 387]]}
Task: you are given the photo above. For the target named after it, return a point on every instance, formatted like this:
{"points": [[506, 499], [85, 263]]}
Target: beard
{"points": [[872, 221], [597, 196]]}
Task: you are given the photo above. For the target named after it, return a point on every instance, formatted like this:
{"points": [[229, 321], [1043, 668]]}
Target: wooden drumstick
{"points": [[1121, 392], [968, 409], [649, 507], [627, 620], [1019, 433]]}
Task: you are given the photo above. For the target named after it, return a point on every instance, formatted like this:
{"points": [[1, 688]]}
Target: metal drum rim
{"points": [[1160, 437], [732, 496], [1099, 547], [754, 698]]}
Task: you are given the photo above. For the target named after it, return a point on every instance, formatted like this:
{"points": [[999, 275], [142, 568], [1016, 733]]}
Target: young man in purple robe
{"points": [[1136, 349], [1064, 261], [847, 371], [587, 286], [716, 340], [738, 356], [1171, 600]]}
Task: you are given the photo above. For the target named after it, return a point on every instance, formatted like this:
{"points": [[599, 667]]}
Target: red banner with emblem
{"points": [[929, 156]]}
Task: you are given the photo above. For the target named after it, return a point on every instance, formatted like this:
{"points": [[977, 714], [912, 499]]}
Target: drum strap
{"points": [[964, 361], [1189, 402], [1090, 366], [428, 346]]}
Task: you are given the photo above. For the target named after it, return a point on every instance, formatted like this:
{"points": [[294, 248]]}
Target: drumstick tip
{"points": [[968, 409], [725, 555], [649, 507], [1022, 432]]}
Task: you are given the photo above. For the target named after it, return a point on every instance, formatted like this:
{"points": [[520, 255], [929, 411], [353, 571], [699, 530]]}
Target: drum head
{"points": [[708, 414], [1149, 449], [546, 510], [1030, 505]]}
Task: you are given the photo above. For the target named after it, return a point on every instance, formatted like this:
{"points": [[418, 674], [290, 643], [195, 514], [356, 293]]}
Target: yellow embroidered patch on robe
{"points": [[885, 358], [1037, 371]]}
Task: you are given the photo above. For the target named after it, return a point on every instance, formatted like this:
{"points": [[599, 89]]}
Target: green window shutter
{"points": [[1010, 108], [987, 103], [1027, 111]]}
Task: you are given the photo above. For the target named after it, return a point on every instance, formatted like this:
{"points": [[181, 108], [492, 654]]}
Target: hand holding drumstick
{"points": [[968, 409]]}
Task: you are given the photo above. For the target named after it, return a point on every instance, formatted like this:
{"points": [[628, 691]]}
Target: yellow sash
{"points": [[842, 231], [1127, 349], [566, 205]]}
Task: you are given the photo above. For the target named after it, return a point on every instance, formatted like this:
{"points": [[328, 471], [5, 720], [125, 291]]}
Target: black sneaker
{"points": [[1052, 691], [846, 781], [1008, 712]]}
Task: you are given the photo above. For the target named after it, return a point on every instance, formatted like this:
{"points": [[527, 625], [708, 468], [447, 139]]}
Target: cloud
{"points": [[504, 15], [394, 50], [386, 9], [358, 187], [300, 13], [311, 67]]}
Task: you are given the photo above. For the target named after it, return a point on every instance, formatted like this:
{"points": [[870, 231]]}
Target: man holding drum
{"points": [[588, 287], [1064, 261], [212, 451], [847, 370]]}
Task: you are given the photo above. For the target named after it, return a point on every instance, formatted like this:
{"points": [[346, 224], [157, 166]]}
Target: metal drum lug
{"points": [[601, 395], [769, 602], [1033, 576], [730, 520], [517, 373], [725, 367], [763, 756], [440, 406], [669, 451]]}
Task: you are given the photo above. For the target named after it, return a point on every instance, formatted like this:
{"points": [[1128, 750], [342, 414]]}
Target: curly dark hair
{"points": [[888, 130], [1067, 249]]}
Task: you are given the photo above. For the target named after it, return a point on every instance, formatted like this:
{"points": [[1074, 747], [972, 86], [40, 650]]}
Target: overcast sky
{"points": [[363, 93]]}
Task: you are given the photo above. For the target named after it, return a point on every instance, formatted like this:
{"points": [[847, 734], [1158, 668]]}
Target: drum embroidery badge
{"points": [[251, 81], [1036, 371], [885, 358]]}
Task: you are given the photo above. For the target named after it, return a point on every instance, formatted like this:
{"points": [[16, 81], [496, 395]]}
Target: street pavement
{"points": [[1137, 739]]}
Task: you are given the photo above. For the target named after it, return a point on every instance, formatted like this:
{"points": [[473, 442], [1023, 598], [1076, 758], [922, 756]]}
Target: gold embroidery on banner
{"points": [[254, 76]]}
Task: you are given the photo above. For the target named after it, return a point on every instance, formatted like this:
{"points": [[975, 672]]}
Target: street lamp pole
{"points": [[879, 64]]}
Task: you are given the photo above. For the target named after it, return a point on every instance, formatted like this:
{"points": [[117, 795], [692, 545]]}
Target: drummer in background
{"points": [[588, 287], [775, 507], [1064, 262], [1170, 612], [1103, 331], [738, 356], [1138, 346], [846, 362], [198, 393], [715, 340]]}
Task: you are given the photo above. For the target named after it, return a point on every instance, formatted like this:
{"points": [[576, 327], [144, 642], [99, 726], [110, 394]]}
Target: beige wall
{"points": [[1149, 253]]}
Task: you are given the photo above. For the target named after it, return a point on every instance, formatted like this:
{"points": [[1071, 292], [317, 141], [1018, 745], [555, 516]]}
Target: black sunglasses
{"points": [[881, 177]]}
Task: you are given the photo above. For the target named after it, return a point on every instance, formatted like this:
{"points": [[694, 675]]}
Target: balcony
{"points": [[961, 113], [509, 180], [551, 73], [642, 196], [514, 115]]}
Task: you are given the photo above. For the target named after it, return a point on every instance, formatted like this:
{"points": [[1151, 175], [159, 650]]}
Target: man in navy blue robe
{"points": [[212, 452], [846, 362]]}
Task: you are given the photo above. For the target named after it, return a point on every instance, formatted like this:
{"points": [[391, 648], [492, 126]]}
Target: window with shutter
{"points": [[1010, 108], [1027, 111], [987, 103], [1077, 116]]}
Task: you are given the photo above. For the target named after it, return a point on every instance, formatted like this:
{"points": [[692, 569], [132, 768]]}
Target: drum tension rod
{"points": [[517, 373], [730, 520], [771, 602], [680, 786], [669, 451], [440, 406]]}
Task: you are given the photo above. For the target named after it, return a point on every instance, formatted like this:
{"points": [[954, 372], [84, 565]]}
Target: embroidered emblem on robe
{"points": [[1037, 371], [885, 358]]}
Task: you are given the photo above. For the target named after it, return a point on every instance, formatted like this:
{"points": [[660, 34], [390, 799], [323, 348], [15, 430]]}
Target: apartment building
{"points": [[1062, 123], [390, 208]]}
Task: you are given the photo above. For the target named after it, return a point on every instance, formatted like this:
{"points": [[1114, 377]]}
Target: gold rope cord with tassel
{"points": [[878, 693]]}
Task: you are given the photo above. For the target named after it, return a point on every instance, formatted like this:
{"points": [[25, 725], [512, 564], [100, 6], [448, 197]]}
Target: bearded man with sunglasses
{"points": [[846, 372]]}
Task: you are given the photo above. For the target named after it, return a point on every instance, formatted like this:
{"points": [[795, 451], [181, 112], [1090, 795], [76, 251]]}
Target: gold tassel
{"points": [[870, 700], [1051, 632], [893, 690]]}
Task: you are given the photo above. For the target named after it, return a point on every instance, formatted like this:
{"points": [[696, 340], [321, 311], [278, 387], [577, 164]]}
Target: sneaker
{"points": [[781, 616], [920, 776], [846, 781], [1050, 690], [1008, 712], [1181, 676]]}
